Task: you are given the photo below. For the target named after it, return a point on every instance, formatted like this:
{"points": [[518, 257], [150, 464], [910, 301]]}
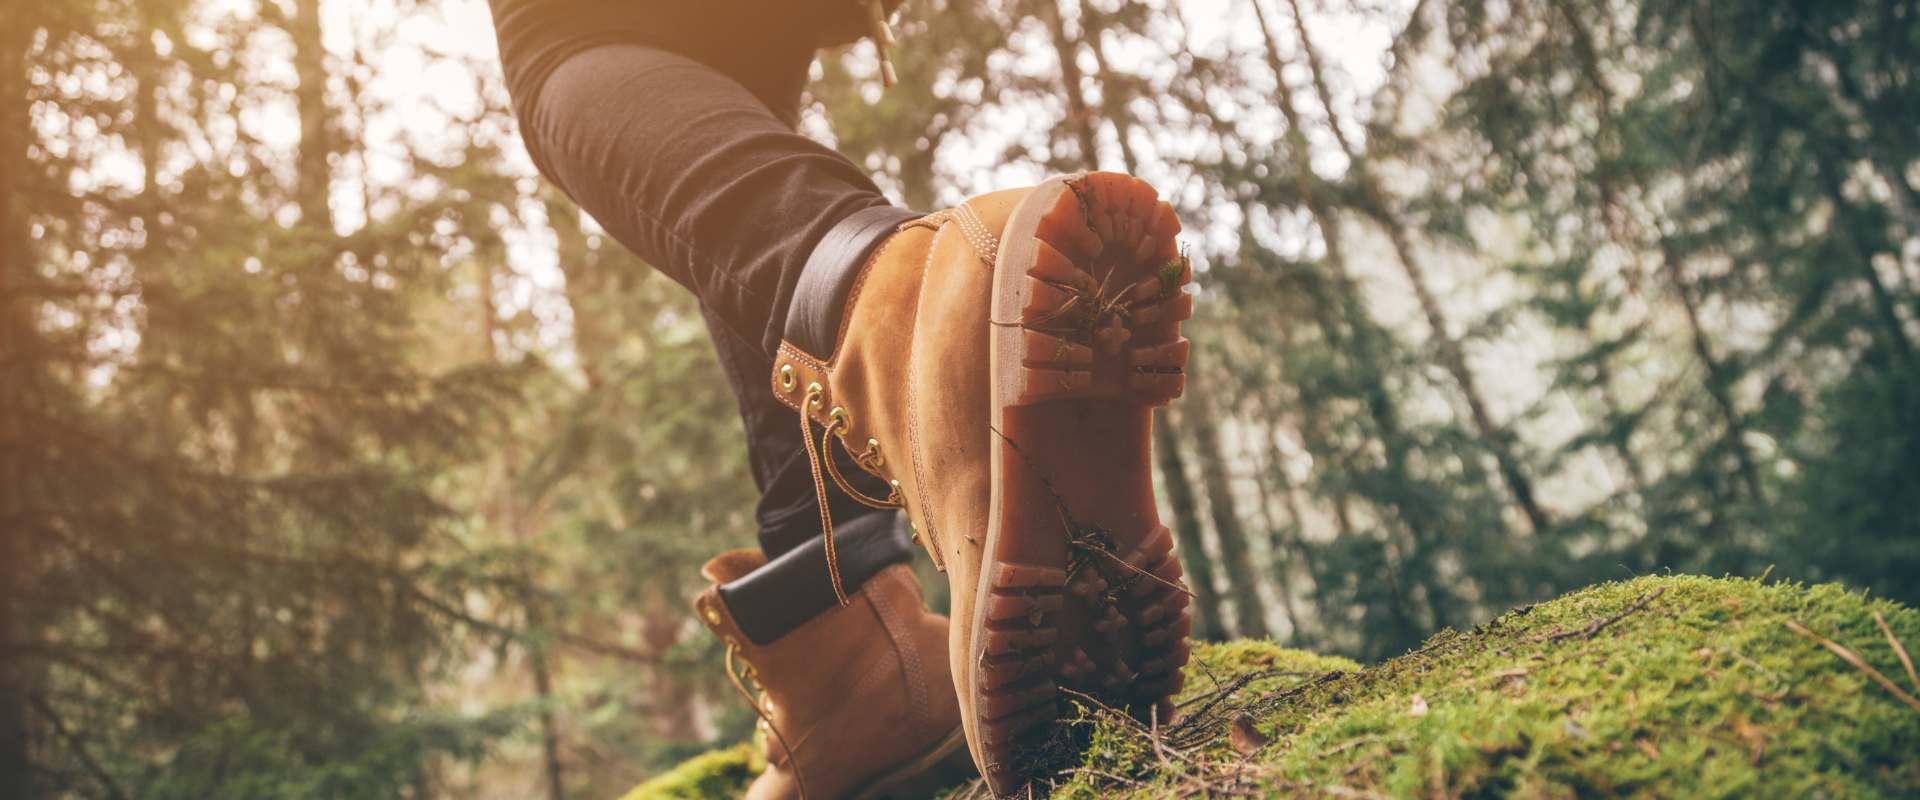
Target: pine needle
{"points": [[1858, 663], [1898, 649]]}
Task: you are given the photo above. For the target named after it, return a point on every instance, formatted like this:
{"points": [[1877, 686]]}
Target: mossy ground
{"points": [[714, 774], [1693, 687]]}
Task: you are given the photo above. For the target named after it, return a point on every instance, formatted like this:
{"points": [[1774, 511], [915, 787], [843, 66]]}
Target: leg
{"points": [[695, 173]]}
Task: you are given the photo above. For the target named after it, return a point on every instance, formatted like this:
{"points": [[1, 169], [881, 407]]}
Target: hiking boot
{"points": [[853, 698], [998, 363]]}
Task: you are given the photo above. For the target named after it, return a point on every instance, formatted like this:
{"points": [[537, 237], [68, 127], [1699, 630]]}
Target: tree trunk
{"points": [[549, 727], [505, 513], [314, 175], [18, 378], [1080, 116], [1884, 305], [1496, 438], [1279, 535], [1249, 612], [1718, 380], [1366, 341], [1186, 529], [1291, 539]]}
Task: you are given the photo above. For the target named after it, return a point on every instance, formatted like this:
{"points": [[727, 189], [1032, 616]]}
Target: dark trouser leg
{"points": [[696, 174]]}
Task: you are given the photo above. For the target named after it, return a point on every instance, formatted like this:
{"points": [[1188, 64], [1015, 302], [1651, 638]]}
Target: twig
{"points": [[1109, 776], [1130, 565], [1898, 649], [1599, 625], [1103, 708], [1153, 733], [1858, 663], [1220, 693]]}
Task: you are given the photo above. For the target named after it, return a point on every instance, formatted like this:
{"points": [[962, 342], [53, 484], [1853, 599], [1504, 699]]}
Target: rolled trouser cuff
{"points": [[772, 601]]}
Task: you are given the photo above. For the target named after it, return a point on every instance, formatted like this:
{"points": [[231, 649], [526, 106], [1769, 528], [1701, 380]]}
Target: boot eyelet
{"points": [[815, 394], [839, 418], [873, 448], [713, 615], [787, 380]]}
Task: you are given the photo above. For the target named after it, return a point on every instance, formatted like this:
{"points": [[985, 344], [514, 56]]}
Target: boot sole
{"points": [[1080, 589], [945, 764]]}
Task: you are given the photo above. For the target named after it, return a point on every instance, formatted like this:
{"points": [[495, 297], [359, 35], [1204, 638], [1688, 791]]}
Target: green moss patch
{"points": [[1656, 687], [716, 774]]}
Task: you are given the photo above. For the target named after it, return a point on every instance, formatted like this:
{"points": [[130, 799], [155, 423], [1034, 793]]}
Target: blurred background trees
{"points": [[339, 456]]}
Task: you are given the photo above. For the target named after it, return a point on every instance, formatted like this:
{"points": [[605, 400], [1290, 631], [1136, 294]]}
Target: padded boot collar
{"points": [[769, 602], [813, 317]]}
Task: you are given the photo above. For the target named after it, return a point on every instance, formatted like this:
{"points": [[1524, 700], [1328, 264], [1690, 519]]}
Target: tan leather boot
{"points": [[853, 702], [998, 363]]}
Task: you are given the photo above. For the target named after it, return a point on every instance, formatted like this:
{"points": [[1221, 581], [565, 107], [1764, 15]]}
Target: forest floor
{"points": [[1654, 687]]}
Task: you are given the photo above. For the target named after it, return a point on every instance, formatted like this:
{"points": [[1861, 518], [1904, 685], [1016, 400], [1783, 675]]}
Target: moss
{"points": [[1700, 691], [1171, 273], [715, 774], [1692, 687]]}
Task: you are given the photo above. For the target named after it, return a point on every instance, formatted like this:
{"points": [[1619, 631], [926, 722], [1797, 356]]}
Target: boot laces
{"points": [[765, 714], [837, 423]]}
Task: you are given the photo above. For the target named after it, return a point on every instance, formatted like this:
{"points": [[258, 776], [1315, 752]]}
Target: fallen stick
{"points": [[1600, 624], [1898, 649], [1858, 663]]}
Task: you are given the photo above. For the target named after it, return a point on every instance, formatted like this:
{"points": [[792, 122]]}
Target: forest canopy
{"points": [[342, 456]]}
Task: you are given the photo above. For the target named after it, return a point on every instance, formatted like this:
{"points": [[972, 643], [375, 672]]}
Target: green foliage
{"points": [[237, 759], [234, 560]]}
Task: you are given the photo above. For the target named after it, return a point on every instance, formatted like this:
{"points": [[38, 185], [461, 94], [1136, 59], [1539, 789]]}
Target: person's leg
{"points": [[695, 173]]}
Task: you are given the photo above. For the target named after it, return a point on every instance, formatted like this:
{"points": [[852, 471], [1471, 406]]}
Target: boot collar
{"points": [[761, 601], [813, 316]]}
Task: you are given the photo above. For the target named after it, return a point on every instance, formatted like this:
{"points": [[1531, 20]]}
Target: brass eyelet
{"points": [[814, 394], [873, 453], [713, 615], [839, 419], [787, 380]]}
